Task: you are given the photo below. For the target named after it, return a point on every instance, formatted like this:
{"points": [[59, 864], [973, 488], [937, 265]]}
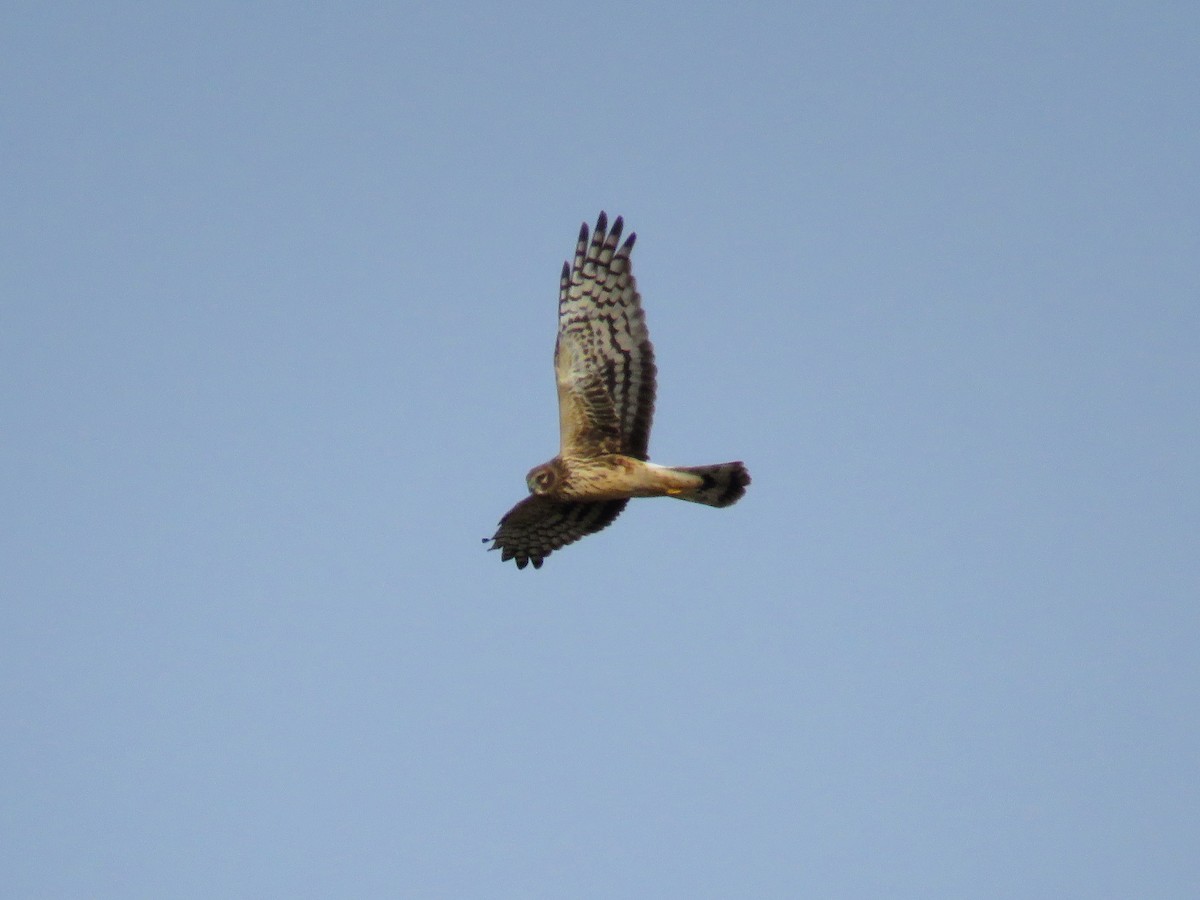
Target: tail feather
{"points": [[724, 484]]}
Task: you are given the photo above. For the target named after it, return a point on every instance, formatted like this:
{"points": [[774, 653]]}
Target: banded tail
{"points": [[724, 484]]}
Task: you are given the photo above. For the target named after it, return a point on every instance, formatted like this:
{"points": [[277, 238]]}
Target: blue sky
{"points": [[278, 289]]}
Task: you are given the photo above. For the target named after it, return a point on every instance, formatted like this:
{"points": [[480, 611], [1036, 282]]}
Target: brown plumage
{"points": [[604, 368]]}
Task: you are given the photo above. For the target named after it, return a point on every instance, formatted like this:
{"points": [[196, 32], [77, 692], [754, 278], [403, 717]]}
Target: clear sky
{"points": [[277, 307]]}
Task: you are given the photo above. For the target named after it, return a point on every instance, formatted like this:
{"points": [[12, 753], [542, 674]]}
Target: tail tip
{"points": [[726, 484]]}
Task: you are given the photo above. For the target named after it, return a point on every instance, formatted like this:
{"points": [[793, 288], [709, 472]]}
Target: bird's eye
{"points": [[545, 478]]}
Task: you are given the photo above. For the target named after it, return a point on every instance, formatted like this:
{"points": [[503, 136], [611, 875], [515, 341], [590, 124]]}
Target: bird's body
{"points": [[605, 372], [617, 477]]}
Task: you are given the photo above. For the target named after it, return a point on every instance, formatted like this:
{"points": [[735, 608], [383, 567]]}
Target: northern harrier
{"points": [[604, 366]]}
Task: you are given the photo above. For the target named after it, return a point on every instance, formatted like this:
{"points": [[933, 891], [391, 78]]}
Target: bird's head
{"points": [[544, 479]]}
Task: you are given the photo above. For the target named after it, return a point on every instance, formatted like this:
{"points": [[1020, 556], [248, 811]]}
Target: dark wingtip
{"points": [[566, 272], [583, 233], [602, 222]]}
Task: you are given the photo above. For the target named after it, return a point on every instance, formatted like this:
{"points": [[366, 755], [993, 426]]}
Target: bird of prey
{"points": [[604, 368]]}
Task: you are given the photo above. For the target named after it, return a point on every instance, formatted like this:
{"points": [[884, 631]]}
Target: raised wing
{"points": [[538, 525], [603, 358]]}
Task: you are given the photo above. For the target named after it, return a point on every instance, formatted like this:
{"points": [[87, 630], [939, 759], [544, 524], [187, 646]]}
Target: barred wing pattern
{"points": [[603, 358], [604, 370], [537, 526]]}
